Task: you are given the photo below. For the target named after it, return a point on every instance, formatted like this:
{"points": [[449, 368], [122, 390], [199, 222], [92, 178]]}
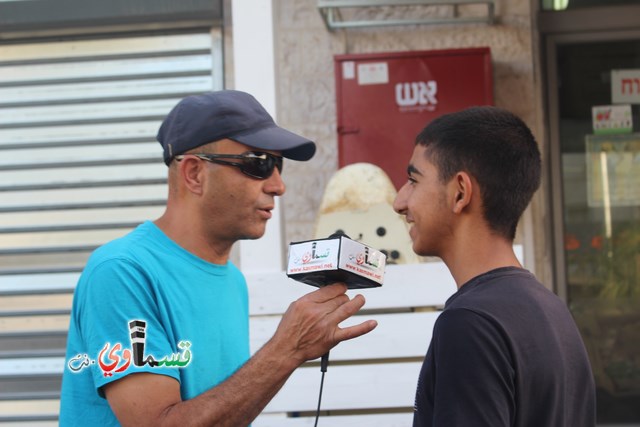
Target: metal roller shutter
{"points": [[79, 165]]}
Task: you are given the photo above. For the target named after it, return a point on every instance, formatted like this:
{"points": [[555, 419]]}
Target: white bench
{"points": [[370, 381]]}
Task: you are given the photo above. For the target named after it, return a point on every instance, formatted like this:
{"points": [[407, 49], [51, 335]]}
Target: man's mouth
{"points": [[266, 212]]}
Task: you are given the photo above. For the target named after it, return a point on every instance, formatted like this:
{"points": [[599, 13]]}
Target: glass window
{"points": [[601, 214], [577, 4]]}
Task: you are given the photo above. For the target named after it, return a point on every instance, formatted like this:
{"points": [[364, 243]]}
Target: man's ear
{"points": [[463, 190], [191, 172]]}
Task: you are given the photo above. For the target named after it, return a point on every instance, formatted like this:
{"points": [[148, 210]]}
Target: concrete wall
{"points": [[306, 90]]}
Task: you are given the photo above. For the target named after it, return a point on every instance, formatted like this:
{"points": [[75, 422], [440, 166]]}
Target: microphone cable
{"points": [[324, 362]]}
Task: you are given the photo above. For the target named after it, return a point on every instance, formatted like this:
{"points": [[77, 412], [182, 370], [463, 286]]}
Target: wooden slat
{"points": [[99, 111], [85, 218], [28, 324], [38, 282], [401, 278], [36, 344], [83, 196], [80, 133], [70, 92], [388, 385], [31, 407], [401, 333], [30, 423], [51, 156], [42, 263], [376, 420], [429, 284], [88, 174], [398, 335], [31, 366], [120, 69], [18, 303], [23, 242], [271, 293], [30, 386], [80, 166], [50, 407], [29, 420], [103, 47]]}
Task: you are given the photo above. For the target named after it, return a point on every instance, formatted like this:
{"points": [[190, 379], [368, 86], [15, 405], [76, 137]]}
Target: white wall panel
{"points": [[88, 111], [52, 156], [27, 324], [24, 242], [398, 335], [79, 166], [47, 199], [83, 175], [80, 133], [80, 49], [105, 69], [78, 218], [401, 419], [385, 385], [106, 89], [38, 282]]}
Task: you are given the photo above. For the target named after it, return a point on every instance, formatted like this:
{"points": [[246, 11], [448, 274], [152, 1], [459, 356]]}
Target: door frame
{"points": [[594, 24]]}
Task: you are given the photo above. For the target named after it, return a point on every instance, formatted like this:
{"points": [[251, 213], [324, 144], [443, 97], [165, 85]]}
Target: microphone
{"points": [[337, 258]]}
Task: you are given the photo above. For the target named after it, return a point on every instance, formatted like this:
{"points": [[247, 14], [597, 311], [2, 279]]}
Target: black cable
{"points": [[324, 362]]}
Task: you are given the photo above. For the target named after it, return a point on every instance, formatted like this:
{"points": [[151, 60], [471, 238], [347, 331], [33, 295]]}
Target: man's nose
{"points": [[274, 184]]}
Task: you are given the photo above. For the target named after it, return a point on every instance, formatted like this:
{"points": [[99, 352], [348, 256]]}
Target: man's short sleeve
{"points": [[113, 294]]}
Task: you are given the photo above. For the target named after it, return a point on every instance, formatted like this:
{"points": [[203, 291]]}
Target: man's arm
{"points": [[307, 330]]}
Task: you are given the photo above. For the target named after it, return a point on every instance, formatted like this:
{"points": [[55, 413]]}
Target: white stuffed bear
{"points": [[358, 201]]}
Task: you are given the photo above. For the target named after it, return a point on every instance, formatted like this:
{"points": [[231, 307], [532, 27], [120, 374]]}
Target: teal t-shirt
{"points": [[144, 304]]}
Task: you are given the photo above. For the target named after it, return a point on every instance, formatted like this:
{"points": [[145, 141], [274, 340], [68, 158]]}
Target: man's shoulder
{"points": [[130, 252], [130, 245]]}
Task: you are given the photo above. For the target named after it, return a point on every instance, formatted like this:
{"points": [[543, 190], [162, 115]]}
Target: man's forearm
{"points": [[308, 329], [239, 399]]}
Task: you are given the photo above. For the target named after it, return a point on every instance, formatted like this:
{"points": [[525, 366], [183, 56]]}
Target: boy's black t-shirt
{"points": [[505, 352]]}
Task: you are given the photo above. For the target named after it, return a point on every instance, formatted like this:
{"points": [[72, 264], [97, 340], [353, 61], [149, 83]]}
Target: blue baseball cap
{"points": [[227, 114]]}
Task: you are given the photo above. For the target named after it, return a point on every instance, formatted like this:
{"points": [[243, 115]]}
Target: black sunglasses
{"points": [[256, 164]]}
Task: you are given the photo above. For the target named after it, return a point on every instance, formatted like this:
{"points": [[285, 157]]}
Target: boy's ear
{"points": [[463, 190]]}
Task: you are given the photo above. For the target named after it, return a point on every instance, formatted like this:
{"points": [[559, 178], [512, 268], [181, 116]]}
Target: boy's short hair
{"points": [[495, 147]]}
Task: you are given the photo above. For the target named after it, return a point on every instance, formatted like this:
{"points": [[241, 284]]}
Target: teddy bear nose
{"points": [[392, 256]]}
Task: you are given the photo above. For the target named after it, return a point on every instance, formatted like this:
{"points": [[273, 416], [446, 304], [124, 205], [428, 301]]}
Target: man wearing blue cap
{"points": [[159, 325]]}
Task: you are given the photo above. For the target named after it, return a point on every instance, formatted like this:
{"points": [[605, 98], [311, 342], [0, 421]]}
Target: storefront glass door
{"points": [[597, 187]]}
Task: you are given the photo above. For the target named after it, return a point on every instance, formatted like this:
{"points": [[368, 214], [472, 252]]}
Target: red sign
{"points": [[625, 86], [386, 99]]}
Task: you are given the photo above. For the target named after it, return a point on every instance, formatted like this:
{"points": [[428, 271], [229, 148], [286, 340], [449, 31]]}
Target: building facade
{"points": [[84, 87]]}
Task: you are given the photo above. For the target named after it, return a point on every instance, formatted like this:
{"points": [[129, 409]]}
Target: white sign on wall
{"points": [[373, 73], [625, 86]]}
